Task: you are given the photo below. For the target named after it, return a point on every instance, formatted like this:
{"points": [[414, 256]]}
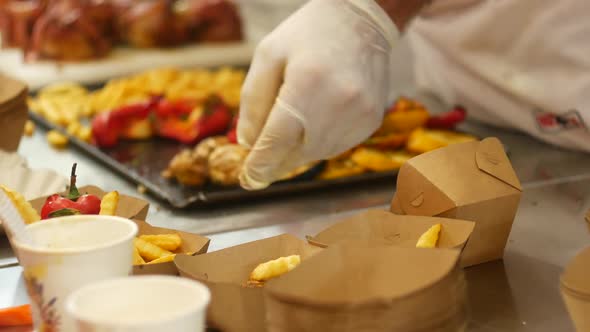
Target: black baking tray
{"points": [[142, 162]]}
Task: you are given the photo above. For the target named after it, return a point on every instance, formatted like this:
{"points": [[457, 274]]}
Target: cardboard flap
{"points": [[378, 227], [348, 276], [576, 276], [418, 196], [234, 265], [492, 159]]}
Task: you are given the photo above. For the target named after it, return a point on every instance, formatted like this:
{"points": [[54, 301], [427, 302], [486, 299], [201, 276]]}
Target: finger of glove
{"points": [[259, 93], [275, 150]]}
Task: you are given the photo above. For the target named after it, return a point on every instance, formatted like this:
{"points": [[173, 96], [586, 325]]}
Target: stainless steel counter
{"points": [[517, 294]]}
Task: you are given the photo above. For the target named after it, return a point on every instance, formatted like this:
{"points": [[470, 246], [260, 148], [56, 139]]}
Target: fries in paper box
{"points": [[155, 247], [236, 305], [470, 181]]}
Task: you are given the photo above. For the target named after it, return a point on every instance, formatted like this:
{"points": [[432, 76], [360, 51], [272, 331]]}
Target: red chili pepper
{"points": [[74, 203], [232, 135], [447, 120]]}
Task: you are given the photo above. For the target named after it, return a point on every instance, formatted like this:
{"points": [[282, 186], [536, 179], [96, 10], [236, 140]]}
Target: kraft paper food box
{"points": [[383, 288], [470, 181], [234, 305], [13, 112], [136, 209]]}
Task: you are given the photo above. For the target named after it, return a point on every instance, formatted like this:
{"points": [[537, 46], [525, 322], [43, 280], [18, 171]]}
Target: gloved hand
{"points": [[317, 86]]}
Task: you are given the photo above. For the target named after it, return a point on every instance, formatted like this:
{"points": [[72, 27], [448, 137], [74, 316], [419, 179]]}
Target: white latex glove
{"points": [[317, 86]]}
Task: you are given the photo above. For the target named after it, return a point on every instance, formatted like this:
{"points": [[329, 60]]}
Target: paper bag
{"points": [[575, 290], [13, 112], [234, 306], [378, 227], [346, 288], [191, 243], [469, 181]]}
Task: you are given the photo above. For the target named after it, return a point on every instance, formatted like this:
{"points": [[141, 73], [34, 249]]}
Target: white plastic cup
{"points": [[68, 253], [141, 303]]}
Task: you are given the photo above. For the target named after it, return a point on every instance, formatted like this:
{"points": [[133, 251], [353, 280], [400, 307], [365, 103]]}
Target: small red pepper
{"points": [[447, 120], [74, 203]]}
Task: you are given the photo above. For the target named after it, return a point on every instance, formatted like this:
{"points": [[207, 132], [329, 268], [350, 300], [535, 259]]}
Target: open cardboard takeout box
{"points": [[348, 288], [383, 228], [234, 306], [136, 209], [575, 290], [470, 181]]}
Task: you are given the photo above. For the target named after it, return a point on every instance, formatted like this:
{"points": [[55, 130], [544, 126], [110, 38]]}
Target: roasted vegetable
{"points": [[424, 140]]}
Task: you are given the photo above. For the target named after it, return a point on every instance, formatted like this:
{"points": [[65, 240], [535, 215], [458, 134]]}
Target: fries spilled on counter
{"points": [[430, 238]]}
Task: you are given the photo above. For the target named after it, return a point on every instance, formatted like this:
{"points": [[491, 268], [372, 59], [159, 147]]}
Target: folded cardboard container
{"points": [[136, 209], [346, 288], [575, 290], [469, 181], [13, 112], [378, 227], [234, 305]]}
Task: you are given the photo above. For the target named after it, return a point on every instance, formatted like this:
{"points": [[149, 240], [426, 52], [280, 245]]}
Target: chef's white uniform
{"points": [[521, 64]]}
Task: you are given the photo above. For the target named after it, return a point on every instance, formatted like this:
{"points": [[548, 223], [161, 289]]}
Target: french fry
{"points": [[169, 242], [164, 259], [137, 259], [27, 212], [57, 139], [29, 128], [85, 134], [430, 238], [109, 203], [149, 251], [275, 268]]}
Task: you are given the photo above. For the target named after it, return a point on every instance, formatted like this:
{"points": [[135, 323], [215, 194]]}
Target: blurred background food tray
{"points": [[123, 61], [142, 162]]}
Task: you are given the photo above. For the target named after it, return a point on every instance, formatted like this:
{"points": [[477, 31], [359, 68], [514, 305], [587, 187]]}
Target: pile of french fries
{"points": [[156, 248], [70, 105]]}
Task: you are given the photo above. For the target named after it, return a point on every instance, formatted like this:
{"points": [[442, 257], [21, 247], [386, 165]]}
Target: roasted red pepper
{"points": [[447, 120], [232, 134], [72, 204], [183, 122], [130, 121]]}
